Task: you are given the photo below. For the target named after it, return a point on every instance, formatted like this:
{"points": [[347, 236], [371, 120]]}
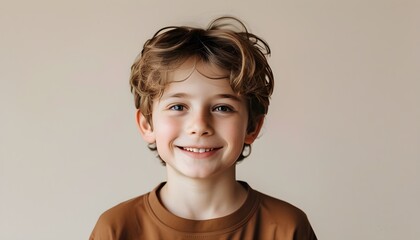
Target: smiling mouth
{"points": [[198, 150]]}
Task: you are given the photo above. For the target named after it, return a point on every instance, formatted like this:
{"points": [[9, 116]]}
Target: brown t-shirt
{"points": [[260, 217]]}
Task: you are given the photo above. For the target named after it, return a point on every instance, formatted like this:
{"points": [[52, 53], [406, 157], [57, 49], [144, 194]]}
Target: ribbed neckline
{"points": [[196, 227]]}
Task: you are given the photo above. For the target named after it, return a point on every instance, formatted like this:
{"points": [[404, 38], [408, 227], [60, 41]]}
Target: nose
{"points": [[200, 124]]}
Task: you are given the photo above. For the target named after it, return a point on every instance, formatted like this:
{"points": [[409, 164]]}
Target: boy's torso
{"points": [[260, 217]]}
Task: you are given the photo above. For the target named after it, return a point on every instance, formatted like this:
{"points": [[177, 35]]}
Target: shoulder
{"points": [[285, 216], [274, 208], [123, 211], [118, 219]]}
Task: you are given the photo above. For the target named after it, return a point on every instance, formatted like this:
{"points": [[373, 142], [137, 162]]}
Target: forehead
{"points": [[198, 80], [192, 64]]}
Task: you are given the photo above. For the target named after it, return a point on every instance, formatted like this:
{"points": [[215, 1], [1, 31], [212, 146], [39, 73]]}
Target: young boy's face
{"points": [[199, 124]]}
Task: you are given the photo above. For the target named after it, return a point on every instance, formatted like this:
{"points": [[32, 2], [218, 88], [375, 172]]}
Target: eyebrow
{"points": [[222, 95], [229, 96]]}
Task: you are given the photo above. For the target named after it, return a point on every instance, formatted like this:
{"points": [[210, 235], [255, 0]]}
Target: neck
{"points": [[201, 199]]}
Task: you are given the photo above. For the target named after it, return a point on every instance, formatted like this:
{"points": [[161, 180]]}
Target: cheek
{"points": [[167, 127], [235, 130]]}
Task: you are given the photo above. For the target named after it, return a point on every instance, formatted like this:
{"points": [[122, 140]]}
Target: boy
{"points": [[201, 96]]}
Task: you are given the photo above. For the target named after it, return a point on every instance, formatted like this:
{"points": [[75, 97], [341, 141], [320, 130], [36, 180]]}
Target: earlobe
{"points": [[146, 129], [251, 136]]}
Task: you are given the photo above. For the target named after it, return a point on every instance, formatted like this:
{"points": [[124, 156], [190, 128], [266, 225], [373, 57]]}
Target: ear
{"points": [[146, 129], [251, 136]]}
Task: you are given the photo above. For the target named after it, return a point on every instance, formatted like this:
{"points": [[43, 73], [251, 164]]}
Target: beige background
{"points": [[342, 137]]}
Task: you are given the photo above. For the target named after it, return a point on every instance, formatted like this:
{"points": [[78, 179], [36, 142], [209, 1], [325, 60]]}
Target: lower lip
{"points": [[198, 155]]}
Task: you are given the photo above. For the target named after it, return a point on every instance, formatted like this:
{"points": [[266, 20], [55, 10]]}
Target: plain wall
{"points": [[341, 140]]}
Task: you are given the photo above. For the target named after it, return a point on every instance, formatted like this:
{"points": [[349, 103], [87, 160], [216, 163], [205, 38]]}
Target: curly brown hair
{"points": [[225, 43]]}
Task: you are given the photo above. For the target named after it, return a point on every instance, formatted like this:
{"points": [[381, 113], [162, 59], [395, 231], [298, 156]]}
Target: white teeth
{"points": [[198, 150]]}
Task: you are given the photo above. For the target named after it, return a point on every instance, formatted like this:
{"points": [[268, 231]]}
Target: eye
{"points": [[223, 108], [177, 107]]}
